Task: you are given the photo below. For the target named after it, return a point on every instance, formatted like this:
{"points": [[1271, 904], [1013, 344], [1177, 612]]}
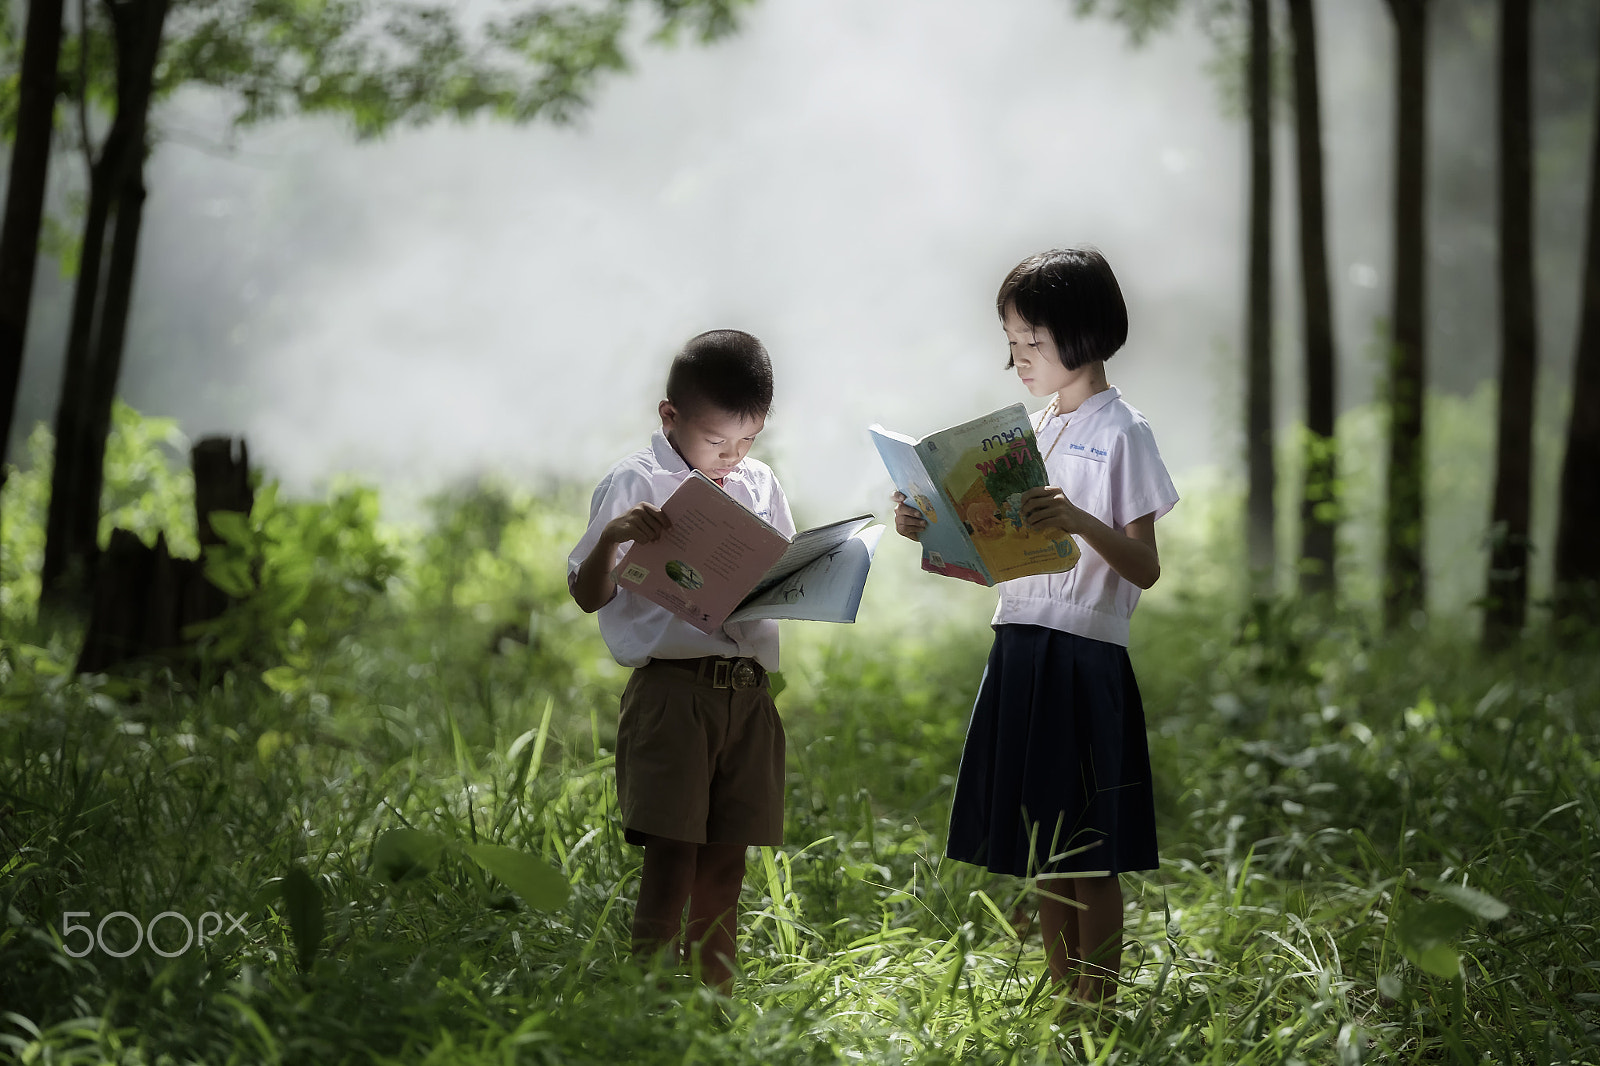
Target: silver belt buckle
{"points": [[744, 674]]}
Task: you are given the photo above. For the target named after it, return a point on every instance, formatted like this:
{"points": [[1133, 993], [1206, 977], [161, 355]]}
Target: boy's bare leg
{"points": [[664, 886], [1100, 937], [1058, 922], [714, 911]]}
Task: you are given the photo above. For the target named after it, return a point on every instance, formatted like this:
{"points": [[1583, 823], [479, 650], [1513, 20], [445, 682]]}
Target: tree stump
{"points": [[143, 598]]}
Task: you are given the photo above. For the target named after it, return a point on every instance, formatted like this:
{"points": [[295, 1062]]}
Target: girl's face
{"points": [[1033, 350]]}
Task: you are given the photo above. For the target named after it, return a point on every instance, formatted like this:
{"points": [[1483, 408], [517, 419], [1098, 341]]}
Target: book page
{"points": [[809, 545], [704, 565], [828, 589]]}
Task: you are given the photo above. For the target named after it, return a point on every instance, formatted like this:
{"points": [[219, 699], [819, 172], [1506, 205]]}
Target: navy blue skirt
{"points": [[1055, 775]]}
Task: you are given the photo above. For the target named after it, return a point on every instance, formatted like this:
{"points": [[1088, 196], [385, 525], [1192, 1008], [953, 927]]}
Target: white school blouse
{"points": [[1105, 459], [637, 630]]}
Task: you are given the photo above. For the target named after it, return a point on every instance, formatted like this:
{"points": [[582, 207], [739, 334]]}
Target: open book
{"points": [[968, 483], [719, 563]]}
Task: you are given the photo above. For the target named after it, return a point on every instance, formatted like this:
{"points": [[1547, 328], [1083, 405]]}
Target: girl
{"points": [[1055, 775]]}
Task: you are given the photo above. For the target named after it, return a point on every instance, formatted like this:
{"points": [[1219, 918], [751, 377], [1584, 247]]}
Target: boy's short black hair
{"points": [[1072, 293], [723, 368]]}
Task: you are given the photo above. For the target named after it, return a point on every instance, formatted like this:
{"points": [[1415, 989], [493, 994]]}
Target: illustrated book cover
{"points": [[968, 482]]}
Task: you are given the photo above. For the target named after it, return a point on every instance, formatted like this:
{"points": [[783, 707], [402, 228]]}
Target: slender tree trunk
{"points": [[100, 311], [1318, 514], [24, 210], [1405, 591], [1507, 586], [1258, 373], [1577, 564], [66, 569], [108, 356]]}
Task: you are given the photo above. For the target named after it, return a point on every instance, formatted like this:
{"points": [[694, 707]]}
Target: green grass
{"points": [[1317, 782]]}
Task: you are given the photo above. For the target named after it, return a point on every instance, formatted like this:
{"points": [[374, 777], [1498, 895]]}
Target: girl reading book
{"points": [[1055, 779]]}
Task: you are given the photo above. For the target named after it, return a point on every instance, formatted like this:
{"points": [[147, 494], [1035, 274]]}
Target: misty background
{"points": [[847, 181]]}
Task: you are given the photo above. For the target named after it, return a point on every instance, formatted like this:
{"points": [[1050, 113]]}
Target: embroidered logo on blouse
{"points": [[1089, 451]]}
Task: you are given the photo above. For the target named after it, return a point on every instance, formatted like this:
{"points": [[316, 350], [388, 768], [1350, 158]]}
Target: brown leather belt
{"points": [[718, 672]]}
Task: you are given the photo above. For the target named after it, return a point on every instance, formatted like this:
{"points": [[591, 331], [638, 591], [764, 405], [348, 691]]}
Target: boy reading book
{"points": [[700, 748]]}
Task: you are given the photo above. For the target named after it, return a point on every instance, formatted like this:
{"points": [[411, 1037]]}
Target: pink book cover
{"points": [[707, 563]]}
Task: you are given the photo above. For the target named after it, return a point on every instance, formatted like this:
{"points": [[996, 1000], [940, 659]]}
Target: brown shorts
{"points": [[698, 763]]}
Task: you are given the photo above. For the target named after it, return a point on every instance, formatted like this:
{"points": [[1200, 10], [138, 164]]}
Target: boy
{"points": [[699, 745]]}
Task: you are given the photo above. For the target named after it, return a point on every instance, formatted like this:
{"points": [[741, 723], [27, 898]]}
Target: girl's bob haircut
{"points": [[1072, 293]]}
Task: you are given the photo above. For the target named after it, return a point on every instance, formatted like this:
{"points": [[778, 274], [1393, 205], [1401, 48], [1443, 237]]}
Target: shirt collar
{"points": [[667, 457], [1086, 408]]}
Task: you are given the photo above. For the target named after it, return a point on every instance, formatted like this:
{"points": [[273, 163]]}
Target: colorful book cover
{"points": [[717, 557], [968, 482]]}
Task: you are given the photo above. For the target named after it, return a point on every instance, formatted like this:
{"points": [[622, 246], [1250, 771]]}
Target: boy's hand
{"points": [[908, 521], [643, 522], [1048, 507]]}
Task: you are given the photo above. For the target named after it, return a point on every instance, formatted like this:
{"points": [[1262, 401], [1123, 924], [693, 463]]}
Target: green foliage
{"points": [[388, 64], [1374, 848], [406, 854], [380, 63], [1428, 933], [1141, 17], [148, 489], [23, 504], [303, 575]]}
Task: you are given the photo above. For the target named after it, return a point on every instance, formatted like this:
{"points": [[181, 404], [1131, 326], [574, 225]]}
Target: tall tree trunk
{"points": [[108, 355], [24, 210], [100, 309], [1258, 373], [1405, 591], [1577, 564], [66, 569], [1507, 586], [1318, 505]]}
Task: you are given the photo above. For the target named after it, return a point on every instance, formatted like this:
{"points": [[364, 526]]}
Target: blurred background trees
{"points": [[379, 66]]}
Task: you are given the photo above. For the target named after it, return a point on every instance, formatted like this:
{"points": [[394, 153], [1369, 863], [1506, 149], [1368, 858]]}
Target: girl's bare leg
{"points": [[1058, 922], [1100, 937]]}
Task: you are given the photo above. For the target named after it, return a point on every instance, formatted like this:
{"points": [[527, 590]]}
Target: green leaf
{"points": [[775, 683], [231, 526], [1428, 932], [270, 891], [1474, 902], [283, 679], [404, 854], [1434, 922], [229, 573], [538, 883], [1441, 960], [303, 901]]}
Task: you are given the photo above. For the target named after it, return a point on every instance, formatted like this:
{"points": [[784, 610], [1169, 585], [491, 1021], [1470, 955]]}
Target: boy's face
{"points": [[711, 440], [1033, 350]]}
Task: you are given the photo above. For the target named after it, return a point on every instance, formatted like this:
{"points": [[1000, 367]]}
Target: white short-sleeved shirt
{"points": [[637, 630], [1104, 457]]}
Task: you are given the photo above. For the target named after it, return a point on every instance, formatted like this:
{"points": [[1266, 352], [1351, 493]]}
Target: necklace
{"points": [[1048, 412]]}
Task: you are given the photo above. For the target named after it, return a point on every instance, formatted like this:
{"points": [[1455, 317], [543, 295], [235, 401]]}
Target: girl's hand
{"points": [[1048, 507], [643, 522], [908, 521]]}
